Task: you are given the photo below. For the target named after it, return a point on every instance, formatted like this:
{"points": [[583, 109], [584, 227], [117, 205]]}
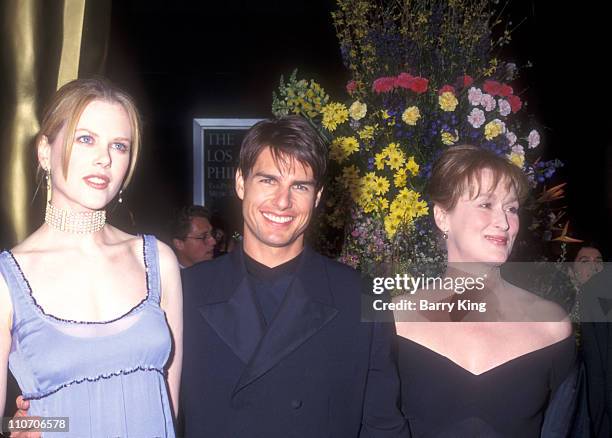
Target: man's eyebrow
{"points": [[266, 175], [307, 182]]}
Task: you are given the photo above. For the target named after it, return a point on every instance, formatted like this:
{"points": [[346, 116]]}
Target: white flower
{"points": [[511, 136], [474, 96], [476, 117], [504, 107], [488, 102], [533, 139], [358, 110]]}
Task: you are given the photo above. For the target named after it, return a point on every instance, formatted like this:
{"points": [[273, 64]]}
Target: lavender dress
{"points": [[107, 377]]}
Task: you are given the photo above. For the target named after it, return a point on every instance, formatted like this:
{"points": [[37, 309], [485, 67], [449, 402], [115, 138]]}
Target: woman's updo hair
{"points": [[67, 106], [459, 170]]}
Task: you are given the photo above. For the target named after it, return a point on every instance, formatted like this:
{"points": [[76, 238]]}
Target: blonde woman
{"points": [[90, 316]]}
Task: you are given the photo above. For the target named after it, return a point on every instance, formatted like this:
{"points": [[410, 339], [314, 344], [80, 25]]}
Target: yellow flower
{"points": [[518, 159], [350, 145], [449, 138], [383, 203], [367, 133], [379, 160], [386, 116], [369, 178], [411, 115], [396, 159], [447, 101], [493, 129], [350, 176], [334, 114], [336, 150], [358, 110], [421, 208], [412, 166], [400, 178], [381, 185], [342, 147], [391, 226], [406, 197], [393, 147]]}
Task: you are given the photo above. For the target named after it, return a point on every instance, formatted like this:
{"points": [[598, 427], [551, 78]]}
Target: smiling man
{"points": [[274, 343]]}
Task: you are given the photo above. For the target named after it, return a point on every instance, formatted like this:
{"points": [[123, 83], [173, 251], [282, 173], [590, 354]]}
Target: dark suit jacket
{"points": [[597, 352], [316, 371]]}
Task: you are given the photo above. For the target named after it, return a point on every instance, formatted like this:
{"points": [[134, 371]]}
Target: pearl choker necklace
{"points": [[80, 223]]}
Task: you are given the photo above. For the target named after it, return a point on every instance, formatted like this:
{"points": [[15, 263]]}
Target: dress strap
{"points": [[151, 261], [17, 287]]}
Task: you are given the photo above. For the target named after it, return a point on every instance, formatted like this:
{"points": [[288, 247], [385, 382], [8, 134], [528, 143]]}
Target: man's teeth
{"points": [[278, 219]]}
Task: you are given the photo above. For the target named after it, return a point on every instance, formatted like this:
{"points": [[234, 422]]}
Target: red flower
{"points": [[404, 80], [419, 84], [383, 85], [446, 88], [515, 103], [351, 86], [492, 87], [466, 81], [505, 90]]}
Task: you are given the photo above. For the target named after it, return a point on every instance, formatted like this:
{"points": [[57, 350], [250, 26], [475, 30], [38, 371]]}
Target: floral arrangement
{"points": [[424, 78]]}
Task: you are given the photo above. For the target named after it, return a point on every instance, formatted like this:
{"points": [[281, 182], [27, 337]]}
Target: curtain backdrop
{"points": [[43, 45]]}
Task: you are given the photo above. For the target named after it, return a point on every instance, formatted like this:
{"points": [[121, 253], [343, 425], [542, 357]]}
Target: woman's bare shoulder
{"points": [[552, 318]]}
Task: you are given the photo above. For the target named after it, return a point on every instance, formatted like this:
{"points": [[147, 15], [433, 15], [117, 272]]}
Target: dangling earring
{"points": [[445, 235], [49, 189], [120, 200]]}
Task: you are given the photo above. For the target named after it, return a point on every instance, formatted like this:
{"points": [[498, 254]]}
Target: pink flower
{"points": [[476, 117], [504, 107], [419, 85], [351, 86], [518, 149], [505, 90], [492, 87], [446, 88], [515, 103], [404, 80], [475, 96], [488, 102], [383, 85]]}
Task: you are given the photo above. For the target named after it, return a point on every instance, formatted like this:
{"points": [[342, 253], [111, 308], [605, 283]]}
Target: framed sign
{"points": [[216, 145]]}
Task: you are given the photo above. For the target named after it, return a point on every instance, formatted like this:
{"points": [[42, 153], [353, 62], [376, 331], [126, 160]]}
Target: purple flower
{"points": [[533, 139]]}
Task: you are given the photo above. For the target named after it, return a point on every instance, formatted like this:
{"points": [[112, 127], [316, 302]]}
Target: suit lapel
{"points": [[231, 310], [306, 308]]}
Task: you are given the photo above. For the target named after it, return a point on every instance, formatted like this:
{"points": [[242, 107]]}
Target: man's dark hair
{"points": [[181, 224], [290, 137]]}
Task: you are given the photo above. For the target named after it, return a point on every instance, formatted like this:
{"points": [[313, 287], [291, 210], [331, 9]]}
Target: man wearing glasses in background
{"points": [[192, 236]]}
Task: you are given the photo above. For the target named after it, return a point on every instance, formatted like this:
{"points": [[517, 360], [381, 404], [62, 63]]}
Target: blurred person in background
{"points": [[192, 235]]}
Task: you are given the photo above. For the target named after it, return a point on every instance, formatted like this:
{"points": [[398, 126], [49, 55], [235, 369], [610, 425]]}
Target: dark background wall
{"points": [[184, 60]]}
